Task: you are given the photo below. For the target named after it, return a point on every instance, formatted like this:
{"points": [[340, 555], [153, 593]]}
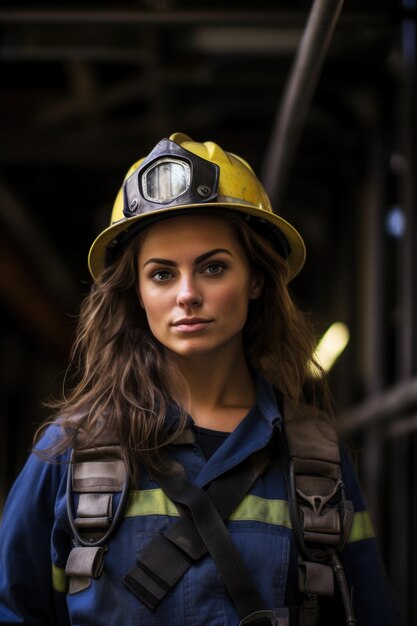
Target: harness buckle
{"points": [[320, 514], [318, 502]]}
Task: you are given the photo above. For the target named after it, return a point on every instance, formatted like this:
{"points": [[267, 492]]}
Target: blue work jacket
{"points": [[35, 542]]}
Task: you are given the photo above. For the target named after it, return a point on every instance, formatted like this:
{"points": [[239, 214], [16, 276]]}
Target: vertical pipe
{"points": [[370, 343], [401, 471], [297, 96], [407, 349]]}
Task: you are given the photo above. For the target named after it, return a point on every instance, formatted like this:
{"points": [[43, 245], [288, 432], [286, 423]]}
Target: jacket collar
{"points": [[253, 433]]}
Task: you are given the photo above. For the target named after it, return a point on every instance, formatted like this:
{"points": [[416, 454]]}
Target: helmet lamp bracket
{"points": [[170, 176]]}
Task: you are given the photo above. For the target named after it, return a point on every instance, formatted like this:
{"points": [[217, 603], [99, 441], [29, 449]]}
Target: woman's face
{"points": [[195, 284]]}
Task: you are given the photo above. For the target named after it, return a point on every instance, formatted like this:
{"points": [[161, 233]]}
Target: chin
{"points": [[191, 352], [192, 347]]}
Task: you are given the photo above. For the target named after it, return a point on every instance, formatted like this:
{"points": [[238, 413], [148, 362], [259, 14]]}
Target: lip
{"points": [[191, 324]]}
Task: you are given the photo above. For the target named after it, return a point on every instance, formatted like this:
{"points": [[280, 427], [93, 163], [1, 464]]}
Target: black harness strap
{"points": [[199, 530]]}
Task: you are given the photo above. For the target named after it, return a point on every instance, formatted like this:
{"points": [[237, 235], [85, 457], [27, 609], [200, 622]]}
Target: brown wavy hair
{"points": [[124, 382]]}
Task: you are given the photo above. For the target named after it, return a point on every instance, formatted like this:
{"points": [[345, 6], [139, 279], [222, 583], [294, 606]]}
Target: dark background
{"points": [[87, 90]]}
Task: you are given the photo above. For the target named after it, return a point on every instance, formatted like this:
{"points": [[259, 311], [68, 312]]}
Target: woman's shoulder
{"points": [[41, 479], [46, 465], [51, 443], [49, 435]]}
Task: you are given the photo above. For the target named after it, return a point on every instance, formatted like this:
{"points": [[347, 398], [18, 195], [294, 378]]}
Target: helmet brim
{"points": [[295, 259]]}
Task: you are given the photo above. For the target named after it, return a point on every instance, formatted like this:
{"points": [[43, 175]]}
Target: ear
{"points": [[256, 286]]}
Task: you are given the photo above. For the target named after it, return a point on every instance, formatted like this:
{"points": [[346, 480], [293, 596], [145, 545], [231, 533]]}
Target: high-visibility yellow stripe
{"points": [[150, 502], [252, 508], [362, 527], [59, 579]]}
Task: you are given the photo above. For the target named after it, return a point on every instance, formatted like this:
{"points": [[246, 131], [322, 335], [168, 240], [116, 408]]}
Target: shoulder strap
{"points": [[321, 516]]}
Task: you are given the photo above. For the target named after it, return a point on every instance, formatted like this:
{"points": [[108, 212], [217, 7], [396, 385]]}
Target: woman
{"points": [[188, 349]]}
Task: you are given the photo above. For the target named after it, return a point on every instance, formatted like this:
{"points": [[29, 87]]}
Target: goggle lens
{"points": [[165, 180]]}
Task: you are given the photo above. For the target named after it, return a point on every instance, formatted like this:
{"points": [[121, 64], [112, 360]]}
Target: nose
{"points": [[189, 296]]}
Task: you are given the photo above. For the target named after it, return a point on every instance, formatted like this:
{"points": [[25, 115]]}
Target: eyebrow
{"points": [[199, 259]]}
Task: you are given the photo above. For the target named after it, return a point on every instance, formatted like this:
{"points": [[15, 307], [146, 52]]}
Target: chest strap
{"points": [[199, 530]]}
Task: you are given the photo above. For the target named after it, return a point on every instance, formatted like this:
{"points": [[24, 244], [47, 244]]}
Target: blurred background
{"points": [[328, 122]]}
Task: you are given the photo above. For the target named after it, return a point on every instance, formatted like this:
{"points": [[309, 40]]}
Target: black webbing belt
{"points": [[199, 530]]}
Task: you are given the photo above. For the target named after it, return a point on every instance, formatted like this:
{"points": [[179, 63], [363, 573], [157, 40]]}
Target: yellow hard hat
{"points": [[181, 175]]}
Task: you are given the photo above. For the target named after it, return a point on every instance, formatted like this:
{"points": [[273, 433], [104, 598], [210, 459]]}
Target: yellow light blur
{"points": [[330, 347]]}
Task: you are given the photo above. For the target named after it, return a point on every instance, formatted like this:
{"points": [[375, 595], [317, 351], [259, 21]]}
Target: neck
{"points": [[221, 389]]}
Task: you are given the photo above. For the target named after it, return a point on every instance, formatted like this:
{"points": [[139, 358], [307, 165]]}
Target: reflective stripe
{"points": [[59, 579], [252, 508], [362, 527], [150, 502]]}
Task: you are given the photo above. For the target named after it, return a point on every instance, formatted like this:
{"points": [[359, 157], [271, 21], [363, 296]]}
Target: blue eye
{"points": [[215, 268], [161, 275]]}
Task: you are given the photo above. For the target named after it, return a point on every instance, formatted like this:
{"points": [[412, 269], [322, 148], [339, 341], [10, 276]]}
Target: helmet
{"points": [[183, 176]]}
